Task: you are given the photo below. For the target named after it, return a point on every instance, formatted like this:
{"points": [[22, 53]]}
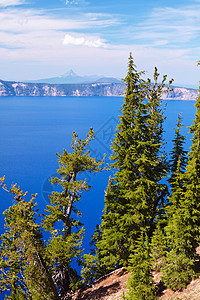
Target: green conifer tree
{"points": [[177, 168], [135, 196], [159, 246], [30, 269], [140, 284], [178, 154], [154, 167], [23, 271], [122, 216], [184, 211], [63, 216]]}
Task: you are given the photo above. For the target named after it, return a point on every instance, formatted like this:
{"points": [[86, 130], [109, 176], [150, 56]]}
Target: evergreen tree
{"points": [[140, 284], [183, 215], [159, 246], [178, 154], [122, 216], [92, 266], [156, 165], [177, 168], [135, 196], [23, 271], [30, 269], [62, 217]]}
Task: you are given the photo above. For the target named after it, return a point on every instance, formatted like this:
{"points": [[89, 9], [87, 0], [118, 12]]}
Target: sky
{"points": [[46, 38]]}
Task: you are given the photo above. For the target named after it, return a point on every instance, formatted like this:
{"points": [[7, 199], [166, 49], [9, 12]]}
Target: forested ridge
{"points": [[151, 216]]}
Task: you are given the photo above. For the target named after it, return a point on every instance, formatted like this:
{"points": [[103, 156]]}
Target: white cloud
{"points": [[88, 41], [38, 32], [69, 2], [6, 3], [38, 20], [76, 2], [35, 37], [176, 25], [46, 43], [160, 43]]}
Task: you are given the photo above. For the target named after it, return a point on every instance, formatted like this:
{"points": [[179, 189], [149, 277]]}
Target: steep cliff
{"points": [[180, 93], [8, 88]]}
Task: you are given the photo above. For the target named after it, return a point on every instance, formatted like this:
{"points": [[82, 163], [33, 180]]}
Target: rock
{"points": [[8, 88]]}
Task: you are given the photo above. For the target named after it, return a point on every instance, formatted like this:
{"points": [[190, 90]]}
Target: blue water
{"points": [[33, 129]]}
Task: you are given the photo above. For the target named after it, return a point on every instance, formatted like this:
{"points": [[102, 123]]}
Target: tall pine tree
{"points": [[154, 169], [184, 213], [122, 219], [135, 195], [178, 154], [177, 166]]}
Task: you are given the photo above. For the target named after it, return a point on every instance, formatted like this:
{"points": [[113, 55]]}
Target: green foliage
{"points": [[140, 284], [70, 166], [182, 229], [120, 221], [135, 196], [181, 239], [156, 166], [30, 269], [192, 203], [89, 267], [63, 217], [179, 270], [21, 249], [159, 247], [178, 154], [111, 246], [93, 267], [142, 227]]}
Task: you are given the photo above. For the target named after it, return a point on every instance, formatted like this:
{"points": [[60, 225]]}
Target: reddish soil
{"points": [[192, 292], [112, 286], [108, 287]]}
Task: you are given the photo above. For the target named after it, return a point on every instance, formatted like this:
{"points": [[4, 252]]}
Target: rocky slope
{"points": [[108, 287], [41, 89], [113, 286], [180, 93], [8, 88]]}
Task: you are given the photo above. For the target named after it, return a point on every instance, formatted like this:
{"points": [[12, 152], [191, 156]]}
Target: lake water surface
{"points": [[33, 129]]}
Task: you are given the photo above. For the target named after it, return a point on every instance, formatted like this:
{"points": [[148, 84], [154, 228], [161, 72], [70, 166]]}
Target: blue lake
{"points": [[33, 129]]}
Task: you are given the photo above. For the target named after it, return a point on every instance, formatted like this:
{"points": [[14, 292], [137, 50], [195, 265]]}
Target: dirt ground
{"points": [[192, 292], [109, 287], [113, 285]]}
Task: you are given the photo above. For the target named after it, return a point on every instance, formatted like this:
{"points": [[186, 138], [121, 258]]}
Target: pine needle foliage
{"points": [[184, 213], [159, 246], [23, 272], [62, 217], [143, 227], [178, 154], [135, 195], [140, 284], [30, 268], [122, 218], [135, 198]]}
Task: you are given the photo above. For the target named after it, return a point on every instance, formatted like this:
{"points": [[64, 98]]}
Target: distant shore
{"points": [[10, 88]]}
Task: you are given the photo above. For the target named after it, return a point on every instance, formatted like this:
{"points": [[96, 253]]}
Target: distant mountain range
{"points": [[71, 78], [10, 88]]}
